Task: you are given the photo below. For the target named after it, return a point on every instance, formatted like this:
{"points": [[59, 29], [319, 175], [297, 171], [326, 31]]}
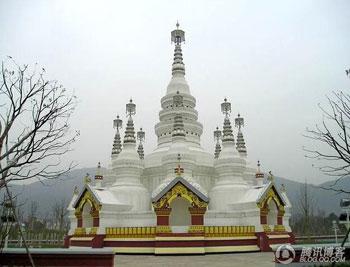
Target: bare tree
{"points": [[33, 213], [333, 134], [34, 126], [306, 208], [34, 129], [60, 212]]}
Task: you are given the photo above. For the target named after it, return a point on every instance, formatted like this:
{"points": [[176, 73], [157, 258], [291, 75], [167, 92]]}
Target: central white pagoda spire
{"points": [[178, 37], [178, 83]]}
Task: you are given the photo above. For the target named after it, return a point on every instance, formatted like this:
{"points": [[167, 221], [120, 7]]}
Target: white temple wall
{"points": [[73, 222], [110, 218], [215, 218]]}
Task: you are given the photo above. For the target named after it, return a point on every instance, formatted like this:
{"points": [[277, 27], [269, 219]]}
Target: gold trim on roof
{"points": [[179, 190], [88, 198]]}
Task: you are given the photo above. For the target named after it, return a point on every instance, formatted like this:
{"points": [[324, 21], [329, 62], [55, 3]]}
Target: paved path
{"points": [[261, 259]]}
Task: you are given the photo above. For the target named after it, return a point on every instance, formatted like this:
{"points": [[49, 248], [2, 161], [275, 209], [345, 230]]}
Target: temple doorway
{"points": [[86, 215], [272, 213], [180, 217]]}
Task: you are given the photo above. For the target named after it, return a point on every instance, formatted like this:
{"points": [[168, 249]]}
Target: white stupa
{"points": [[180, 199]]}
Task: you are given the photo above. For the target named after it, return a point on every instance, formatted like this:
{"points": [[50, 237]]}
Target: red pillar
{"points": [[79, 221], [162, 216], [263, 215], [197, 215]]}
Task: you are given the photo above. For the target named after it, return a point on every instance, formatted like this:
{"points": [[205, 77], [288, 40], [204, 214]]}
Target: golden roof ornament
{"points": [[178, 170]]}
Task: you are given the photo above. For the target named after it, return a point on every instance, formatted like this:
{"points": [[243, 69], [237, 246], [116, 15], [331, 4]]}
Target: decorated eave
{"points": [[181, 180], [88, 188], [264, 193]]}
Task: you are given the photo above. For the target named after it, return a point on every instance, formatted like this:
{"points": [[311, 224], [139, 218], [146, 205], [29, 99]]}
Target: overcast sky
{"points": [[274, 60]]}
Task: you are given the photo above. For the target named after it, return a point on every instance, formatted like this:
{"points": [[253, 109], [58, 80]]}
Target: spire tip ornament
{"points": [[226, 108], [177, 35], [130, 108]]}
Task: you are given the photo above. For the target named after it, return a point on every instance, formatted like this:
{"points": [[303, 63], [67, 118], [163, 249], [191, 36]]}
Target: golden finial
{"points": [[178, 170]]}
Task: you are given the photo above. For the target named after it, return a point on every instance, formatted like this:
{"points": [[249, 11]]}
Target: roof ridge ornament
{"points": [[87, 179], [179, 127], [271, 177]]}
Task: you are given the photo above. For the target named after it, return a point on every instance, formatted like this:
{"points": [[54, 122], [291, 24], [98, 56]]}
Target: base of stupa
{"points": [[141, 240]]}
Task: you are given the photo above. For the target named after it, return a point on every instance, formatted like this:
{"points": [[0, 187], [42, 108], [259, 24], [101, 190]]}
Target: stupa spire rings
{"points": [[177, 100], [179, 127], [178, 37], [117, 144], [239, 123], [227, 129]]}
